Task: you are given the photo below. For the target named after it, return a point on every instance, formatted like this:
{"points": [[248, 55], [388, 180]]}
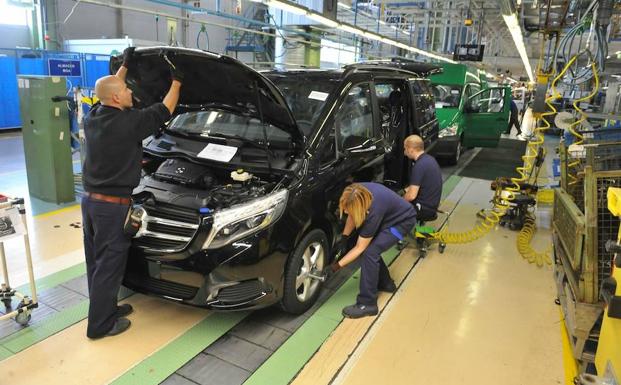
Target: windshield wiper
{"points": [[242, 139]]}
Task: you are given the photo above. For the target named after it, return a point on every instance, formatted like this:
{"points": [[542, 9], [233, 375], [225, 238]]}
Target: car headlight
{"points": [[449, 131], [239, 221]]}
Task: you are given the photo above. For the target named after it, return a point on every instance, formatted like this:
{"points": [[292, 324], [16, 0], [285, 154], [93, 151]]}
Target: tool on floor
{"points": [[12, 224]]}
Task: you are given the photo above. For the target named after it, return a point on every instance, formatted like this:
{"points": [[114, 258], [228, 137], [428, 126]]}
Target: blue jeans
{"points": [[105, 248]]}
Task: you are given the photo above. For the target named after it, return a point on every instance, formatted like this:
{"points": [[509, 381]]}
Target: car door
{"points": [[486, 116], [351, 148]]}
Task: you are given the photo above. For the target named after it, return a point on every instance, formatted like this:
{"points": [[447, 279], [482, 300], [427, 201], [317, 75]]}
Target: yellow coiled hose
{"points": [[523, 240]]}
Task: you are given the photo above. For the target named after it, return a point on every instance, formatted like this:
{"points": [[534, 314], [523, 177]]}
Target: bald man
{"points": [[114, 132], [425, 189]]}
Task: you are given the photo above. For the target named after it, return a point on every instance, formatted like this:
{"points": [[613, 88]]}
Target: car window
{"points": [[491, 100], [473, 89], [217, 121], [446, 96], [390, 99], [353, 120], [423, 102], [327, 150], [305, 96]]}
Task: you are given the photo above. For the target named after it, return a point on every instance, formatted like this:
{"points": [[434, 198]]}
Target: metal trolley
{"points": [[22, 313]]}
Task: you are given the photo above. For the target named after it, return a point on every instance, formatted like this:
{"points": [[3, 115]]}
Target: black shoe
{"points": [[124, 310], [359, 311], [120, 325], [390, 287]]}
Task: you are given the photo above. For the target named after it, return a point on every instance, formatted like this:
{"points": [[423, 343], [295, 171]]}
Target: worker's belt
{"points": [[108, 198]]}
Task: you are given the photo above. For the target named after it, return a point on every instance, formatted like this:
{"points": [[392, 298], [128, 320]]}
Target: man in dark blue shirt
{"points": [[425, 189], [382, 218], [114, 132]]}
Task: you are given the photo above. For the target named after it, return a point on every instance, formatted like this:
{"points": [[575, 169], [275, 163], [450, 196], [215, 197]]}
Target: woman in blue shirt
{"points": [[382, 218]]}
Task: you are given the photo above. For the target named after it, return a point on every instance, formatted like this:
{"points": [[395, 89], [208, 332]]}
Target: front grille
{"points": [[172, 212], [167, 228], [159, 287], [242, 292], [158, 244]]}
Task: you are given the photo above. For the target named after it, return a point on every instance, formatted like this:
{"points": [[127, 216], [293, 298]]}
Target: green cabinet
{"points": [[47, 140]]}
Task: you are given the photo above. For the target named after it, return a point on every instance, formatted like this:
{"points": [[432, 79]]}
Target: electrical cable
{"points": [[198, 35]]}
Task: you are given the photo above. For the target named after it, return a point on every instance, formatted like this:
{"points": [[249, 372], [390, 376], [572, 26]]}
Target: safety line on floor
{"points": [[61, 210], [286, 362], [569, 362], [55, 279], [166, 361], [53, 324]]}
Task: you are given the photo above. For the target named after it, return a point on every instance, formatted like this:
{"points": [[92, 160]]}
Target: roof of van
{"points": [[457, 74]]}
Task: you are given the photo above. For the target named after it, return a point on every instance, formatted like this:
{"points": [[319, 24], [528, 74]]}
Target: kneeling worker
{"points": [[425, 189], [382, 218]]}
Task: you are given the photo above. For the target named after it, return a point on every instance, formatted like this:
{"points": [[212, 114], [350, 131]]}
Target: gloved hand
{"points": [[128, 56], [330, 270], [176, 74], [341, 246]]}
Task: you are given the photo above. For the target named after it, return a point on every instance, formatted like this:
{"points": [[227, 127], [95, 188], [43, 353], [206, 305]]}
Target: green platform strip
{"points": [[4, 353], [290, 358], [56, 279], [449, 185], [53, 324], [287, 361], [159, 366]]}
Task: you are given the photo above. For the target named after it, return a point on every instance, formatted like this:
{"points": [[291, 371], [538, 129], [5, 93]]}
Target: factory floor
{"points": [[476, 314]]}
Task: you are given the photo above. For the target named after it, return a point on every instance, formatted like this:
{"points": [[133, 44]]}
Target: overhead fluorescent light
{"points": [[300, 10], [349, 29], [287, 7], [516, 33], [323, 20]]}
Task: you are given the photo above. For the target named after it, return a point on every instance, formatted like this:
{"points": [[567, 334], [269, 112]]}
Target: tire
{"points": [[300, 291], [456, 155]]}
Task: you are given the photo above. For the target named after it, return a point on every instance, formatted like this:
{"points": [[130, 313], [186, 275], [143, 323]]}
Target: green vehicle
{"points": [[470, 113]]}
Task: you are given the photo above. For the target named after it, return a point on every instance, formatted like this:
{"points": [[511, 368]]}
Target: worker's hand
{"points": [[128, 56], [341, 247], [176, 74], [330, 270]]}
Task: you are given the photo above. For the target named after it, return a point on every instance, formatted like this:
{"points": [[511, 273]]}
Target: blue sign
{"points": [[64, 67]]}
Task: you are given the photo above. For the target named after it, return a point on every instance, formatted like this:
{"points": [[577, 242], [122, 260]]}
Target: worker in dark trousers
{"points": [[514, 119], [425, 188], [382, 218], [114, 133]]}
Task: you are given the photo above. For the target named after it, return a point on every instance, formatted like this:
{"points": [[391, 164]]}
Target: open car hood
{"points": [[210, 80]]}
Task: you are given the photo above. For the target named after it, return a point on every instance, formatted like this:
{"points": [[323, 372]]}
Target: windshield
{"points": [[214, 122], [305, 97], [446, 96]]}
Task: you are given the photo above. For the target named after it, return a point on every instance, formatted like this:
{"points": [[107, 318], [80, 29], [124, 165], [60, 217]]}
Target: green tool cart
{"points": [[47, 140]]}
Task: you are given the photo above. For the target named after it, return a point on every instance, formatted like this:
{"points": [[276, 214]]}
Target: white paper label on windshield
{"points": [[318, 95], [218, 152]]}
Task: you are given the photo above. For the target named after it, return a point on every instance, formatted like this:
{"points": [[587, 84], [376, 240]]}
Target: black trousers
{"points": [[373, 270], [514, 121], [105, 247]]}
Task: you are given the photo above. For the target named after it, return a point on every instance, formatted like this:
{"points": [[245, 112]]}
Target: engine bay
{"points": [[217, 188]]}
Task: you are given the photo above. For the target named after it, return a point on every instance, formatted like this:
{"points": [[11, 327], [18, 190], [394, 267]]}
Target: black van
{"points": [[239, 195]]}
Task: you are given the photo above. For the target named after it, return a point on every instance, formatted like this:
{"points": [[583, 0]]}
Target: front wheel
{"points": [[308, 258], [456, 153]]}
